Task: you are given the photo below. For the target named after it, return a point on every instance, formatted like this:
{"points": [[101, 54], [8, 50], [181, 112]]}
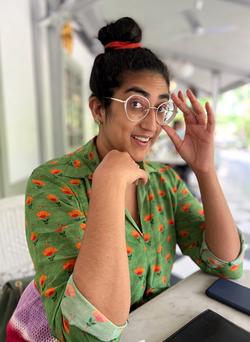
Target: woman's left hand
{"points": [[197, 147]]}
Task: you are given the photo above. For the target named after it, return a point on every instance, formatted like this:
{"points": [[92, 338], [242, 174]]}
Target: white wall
{"points": [[18, 89]]}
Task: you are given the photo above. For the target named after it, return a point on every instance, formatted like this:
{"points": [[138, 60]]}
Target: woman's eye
{"points": [[136, 104]]}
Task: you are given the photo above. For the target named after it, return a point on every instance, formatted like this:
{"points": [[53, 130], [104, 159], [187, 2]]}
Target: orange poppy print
{"points": [[66, 325], [160, 228], [234, 268], [201, 212], [43, 215], [83, 226], [174, 189], [33, 237], [168, 257], [184, 191], [38, 183], [67, 191], [139, 271], [161, 193], [75, 214], [171, 222], [55, 172], [159, 208], [76, 163], [157, 269], [42, 280], [69, 265], [50, 252], [151, 197], [148, 218], [135, 234], [186, 207], [29, 201], [75, 181], [99, 317], [169, 238], [129, 252], [91, 155], [51, 293], [147, 237], [164, 279], [159, 249], [78, 245]]}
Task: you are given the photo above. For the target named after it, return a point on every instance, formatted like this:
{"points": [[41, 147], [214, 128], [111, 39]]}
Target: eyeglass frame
{"points": [[150, 107]]}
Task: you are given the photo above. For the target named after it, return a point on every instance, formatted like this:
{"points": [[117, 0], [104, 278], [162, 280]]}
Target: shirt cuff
{"points": [[80, 313], [214, 262]]}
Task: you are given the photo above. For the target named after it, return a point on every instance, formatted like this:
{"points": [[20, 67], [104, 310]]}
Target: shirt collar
{"points": [[83, 162]]}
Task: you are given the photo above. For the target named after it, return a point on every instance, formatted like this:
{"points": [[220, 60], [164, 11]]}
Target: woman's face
{"points": [[119, 133]]}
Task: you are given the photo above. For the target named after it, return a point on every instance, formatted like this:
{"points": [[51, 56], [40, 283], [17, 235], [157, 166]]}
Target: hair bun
{"points": [[123, 30]]}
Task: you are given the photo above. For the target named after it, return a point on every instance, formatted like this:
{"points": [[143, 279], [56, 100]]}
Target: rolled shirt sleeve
{"points": [[80, 313]]}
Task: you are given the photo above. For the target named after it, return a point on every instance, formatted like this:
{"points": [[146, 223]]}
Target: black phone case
{"points": [[230, 293], [212, 327]]}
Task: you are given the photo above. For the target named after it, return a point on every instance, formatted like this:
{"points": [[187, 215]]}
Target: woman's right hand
{"points": [[119, 166]]}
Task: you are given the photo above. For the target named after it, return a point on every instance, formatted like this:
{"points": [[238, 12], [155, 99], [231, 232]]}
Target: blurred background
{"points": [[47, 48]]}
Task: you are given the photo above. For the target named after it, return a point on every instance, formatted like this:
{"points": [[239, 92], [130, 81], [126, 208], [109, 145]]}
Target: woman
{"points": [[102, 224]]}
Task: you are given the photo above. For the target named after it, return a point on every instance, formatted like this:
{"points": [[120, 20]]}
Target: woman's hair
{"points": [[110, 67]]}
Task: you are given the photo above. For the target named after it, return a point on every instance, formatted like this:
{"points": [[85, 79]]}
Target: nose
{"points": [[149, 122]]}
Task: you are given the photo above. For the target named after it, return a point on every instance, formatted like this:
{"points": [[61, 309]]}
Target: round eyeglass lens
{"points": [[137, 107], [166, 112]]}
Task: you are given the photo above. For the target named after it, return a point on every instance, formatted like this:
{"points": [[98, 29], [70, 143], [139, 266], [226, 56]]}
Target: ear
{"points": [[97, 109]]}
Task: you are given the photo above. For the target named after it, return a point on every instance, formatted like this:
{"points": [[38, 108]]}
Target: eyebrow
{"points": [[145, 93]]}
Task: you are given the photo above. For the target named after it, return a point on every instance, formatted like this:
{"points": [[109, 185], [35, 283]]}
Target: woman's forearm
{"points": [[101, 271], [221, 233]]}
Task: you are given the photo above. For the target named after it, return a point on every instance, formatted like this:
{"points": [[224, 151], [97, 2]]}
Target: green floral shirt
{"points": [[57, 201]]}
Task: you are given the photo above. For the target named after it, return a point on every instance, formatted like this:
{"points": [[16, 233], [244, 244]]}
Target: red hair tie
{"points": [[122, 45]]}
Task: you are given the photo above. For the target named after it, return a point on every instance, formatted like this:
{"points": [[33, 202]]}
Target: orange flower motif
{"points": [[183, 233], [55, 171], [78, 245], [169, 238], [186, 207], [29, 200], [139, 271], [151, 197], [53, 162], [162, 179], [148, 217], [161, 193], [69, 265], [157, 268], [66, 190], [76, 163], [160, 228], [50, 292], [129, 250], [52, 198], [66, 326], [168, 257], [70, 291], [37, 182], [159, 249], [159, 208], [75, 181], [49, 251], [201, 212], [164, 279], [91, 155], [99, 317], [234, 268], [42, 280], [135, 234], [75, 213], [174, 189], [146, 237], [83, 226], [171, 221], [184, 191], [43, 215], [33, 237]]}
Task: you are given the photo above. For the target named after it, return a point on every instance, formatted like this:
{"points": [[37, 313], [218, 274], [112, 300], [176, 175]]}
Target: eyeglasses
{"points": [[137, 108]]}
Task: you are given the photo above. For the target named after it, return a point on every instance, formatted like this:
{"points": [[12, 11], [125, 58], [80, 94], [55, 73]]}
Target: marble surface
{"points": [[166, 313]]}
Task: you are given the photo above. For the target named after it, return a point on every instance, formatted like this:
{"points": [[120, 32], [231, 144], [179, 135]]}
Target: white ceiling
{"points": [[167, 32]]}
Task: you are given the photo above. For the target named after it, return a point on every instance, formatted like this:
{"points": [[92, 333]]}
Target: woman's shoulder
{"points": [[162, 171]]}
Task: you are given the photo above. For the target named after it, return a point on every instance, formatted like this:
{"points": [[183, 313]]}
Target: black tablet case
{"points": [[231, 293], [209, 326]]}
